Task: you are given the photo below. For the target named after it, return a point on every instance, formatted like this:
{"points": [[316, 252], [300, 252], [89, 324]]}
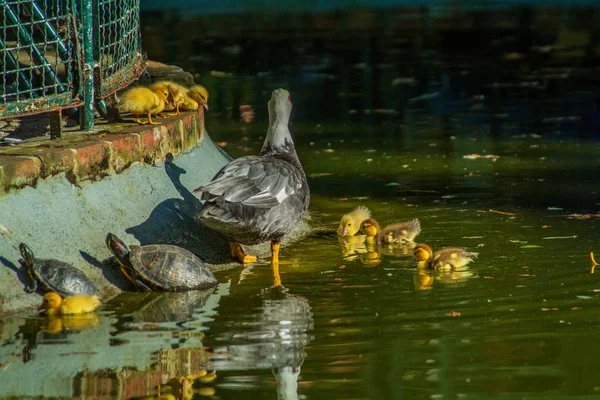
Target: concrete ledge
{"points": [[92, 156]]}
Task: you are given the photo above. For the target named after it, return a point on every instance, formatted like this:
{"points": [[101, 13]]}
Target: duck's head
{"points": [[369, 228], [162, 91], [119, 249], [348, 226], [50, 301], [203, 93], [175, 94], [422, 252]]}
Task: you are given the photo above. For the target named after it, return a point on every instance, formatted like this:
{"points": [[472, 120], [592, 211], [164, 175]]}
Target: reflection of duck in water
{"points": [[424, 278], [371, 257], [352, 246], [274, 340], [74, 323]]}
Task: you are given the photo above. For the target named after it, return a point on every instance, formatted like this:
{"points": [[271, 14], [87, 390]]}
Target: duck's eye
{"points": [[349, 223]]}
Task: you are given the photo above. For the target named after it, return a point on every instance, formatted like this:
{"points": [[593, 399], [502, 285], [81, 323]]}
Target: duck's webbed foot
{"points": [[238, 253], [275, 264]]}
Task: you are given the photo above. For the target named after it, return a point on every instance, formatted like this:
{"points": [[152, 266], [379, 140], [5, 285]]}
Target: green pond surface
{"points": [[521, 322]]}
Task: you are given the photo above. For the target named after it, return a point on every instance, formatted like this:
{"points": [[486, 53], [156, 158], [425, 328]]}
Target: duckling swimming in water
{"points": [[400, 232], [262, 198], [350, 223], [449, 258], [53, 303]]}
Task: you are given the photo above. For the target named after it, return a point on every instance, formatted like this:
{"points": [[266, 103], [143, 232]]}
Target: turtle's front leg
{"points": [[33, 287]]}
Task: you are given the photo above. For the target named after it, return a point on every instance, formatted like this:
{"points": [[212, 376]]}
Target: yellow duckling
{"points": [[350, 223], [77, 304], [200, 95], [400, 232], [178, 97], [142, 100], [449, 258]]}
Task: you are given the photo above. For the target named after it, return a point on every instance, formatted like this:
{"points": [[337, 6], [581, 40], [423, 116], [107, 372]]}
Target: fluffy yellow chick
{"points": [[199, 94], [178, 97], [449, 258], [52, 303], [142, 100], [350, 223]]}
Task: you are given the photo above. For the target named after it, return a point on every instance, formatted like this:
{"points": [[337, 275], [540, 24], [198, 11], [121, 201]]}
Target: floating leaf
{"points": [[530, 246], [560, 237], [502, 212]]}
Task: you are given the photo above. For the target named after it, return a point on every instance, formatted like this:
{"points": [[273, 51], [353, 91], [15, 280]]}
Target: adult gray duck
{"points": [[255, 199]]}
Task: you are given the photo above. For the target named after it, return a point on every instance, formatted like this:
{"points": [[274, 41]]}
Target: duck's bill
{"points": [[205, 105], [344, 232]]}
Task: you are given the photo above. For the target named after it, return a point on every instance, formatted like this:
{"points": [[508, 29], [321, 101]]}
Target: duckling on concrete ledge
{"points": [[178, 97], [199, 94], [350, 223], [449, 258], [142, 100], [400, 232], [54, 304], [257, 199]]}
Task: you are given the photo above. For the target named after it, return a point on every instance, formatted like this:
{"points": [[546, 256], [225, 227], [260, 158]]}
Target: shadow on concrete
{"points": [[111, 270], [173, 222], [21, 272]]}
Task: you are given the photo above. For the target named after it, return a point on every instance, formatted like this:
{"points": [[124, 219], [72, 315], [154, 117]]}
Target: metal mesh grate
{"points": [[42, 49], [118, 44], [37, 56]]}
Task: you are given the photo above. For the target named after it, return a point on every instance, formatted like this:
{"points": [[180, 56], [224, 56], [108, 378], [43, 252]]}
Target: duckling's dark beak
{"points": [[41, 307], [413, 262]]}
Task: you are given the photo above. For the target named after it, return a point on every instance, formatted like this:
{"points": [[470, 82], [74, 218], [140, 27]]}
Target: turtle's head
{"points": [[119, 249], [27, 254]]}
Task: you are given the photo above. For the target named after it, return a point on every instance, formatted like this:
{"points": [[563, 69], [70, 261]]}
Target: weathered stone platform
{"points": [[63, 196]]}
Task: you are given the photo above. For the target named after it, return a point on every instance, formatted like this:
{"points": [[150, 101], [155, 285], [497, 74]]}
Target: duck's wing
{"points": [[261, 182]]}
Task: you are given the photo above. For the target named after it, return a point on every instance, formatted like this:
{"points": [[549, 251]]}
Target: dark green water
{"points": [[521, 322]]}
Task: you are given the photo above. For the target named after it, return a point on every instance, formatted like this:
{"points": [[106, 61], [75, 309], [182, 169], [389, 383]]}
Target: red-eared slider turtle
{"points": [[161, 266], [54, 275]]}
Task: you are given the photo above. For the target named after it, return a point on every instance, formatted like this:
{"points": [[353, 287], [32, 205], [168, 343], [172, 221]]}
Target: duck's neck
{"points": [[279, 140]]}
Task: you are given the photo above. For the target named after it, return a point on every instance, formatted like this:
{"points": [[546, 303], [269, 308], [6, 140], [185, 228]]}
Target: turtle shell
{"points": [[171, 268], [61, 277]]}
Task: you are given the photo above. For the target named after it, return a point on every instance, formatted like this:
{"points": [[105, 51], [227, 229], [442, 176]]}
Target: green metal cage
{"points": [[61, 54]]}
